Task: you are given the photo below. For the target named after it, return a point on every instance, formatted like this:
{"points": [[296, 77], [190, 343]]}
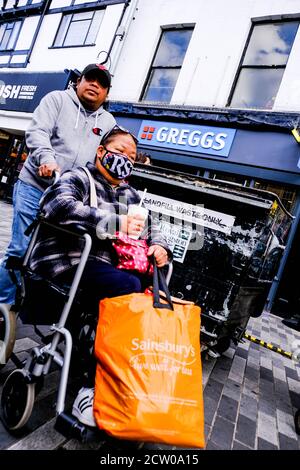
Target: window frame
{"points": [[72, 15], [254, 23], [14, 22], [15, 5], [164, 29]]}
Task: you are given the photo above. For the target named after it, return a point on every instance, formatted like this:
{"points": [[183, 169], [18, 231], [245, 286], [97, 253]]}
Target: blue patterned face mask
{"points": [[116, 164]]}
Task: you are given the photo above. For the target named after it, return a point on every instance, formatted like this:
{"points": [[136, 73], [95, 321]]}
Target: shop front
{"points": [[20, 94], [255, 150]]}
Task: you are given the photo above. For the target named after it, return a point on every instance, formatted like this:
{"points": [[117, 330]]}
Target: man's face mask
{"points": [[117, 165]]}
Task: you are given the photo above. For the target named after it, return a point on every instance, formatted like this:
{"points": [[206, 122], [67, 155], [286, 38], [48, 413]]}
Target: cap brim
{"points": [[104, 80]]}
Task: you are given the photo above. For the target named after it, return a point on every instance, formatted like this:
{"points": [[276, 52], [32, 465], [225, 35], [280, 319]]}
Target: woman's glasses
{"points": [[115, 130]]}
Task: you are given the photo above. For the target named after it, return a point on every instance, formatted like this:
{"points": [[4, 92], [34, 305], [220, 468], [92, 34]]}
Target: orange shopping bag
{"points": [[149, 376]]}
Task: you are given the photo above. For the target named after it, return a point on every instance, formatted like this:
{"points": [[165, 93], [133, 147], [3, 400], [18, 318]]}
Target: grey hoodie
{"points": [[61, 131]]}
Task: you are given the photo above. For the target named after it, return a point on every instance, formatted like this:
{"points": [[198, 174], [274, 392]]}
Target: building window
{"points": [[166, 65], [230, 177], [11, 4], [78, 29], [287, 194], [8, 4], [262, 68], [9, 34]]}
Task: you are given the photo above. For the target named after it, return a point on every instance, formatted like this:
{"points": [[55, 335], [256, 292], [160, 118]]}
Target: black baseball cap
{"points": [[101, 70]]}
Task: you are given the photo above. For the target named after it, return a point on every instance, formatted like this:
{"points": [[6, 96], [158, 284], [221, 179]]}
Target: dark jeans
{"points": [[100, 280]]}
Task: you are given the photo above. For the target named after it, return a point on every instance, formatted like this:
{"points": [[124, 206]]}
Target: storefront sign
{"points": [[190, 213], [23, 91], [188, 138]]}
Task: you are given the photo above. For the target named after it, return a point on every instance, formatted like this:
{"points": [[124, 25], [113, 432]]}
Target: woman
{"points": [[68, 202]]}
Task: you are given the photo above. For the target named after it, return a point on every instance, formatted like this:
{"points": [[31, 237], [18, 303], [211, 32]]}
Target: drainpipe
{"points": [[45, 9], [122, 29]]}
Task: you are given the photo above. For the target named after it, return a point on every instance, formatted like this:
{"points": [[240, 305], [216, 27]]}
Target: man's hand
{"points": [[132, 225], [160, 255], [46, 170]]}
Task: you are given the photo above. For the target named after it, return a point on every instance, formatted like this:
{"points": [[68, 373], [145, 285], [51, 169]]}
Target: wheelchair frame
{"points": [[19, 387]]}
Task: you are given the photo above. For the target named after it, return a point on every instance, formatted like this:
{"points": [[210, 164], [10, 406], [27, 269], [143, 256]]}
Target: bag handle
{"points": [[93, 194], [159, 282]]}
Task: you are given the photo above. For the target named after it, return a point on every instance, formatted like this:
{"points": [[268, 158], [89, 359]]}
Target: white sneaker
{"points": [[83, 407]]}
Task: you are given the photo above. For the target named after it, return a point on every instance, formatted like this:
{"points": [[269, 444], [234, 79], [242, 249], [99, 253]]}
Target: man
{"points": [[64, 133], [68, 202]]}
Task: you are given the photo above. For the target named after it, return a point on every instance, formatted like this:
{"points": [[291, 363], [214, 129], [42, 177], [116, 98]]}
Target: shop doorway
{"points": [[11, 165]]}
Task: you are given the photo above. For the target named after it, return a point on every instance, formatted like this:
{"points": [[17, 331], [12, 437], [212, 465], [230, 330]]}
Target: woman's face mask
{"points": [[116, 164]]}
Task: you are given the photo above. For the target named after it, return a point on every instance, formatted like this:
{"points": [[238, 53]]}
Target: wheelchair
{"points": [[75, 327], [72, 331], [7, 333]]}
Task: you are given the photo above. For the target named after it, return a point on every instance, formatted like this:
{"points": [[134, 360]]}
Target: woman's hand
{"points": [[160, 255]]}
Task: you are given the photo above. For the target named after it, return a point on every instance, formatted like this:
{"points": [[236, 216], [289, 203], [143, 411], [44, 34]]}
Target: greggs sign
{"points": [[196, 139]]}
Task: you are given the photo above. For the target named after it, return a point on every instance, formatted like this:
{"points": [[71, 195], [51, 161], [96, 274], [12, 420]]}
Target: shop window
{"points": [[9, 33], [78, 29], [263, 65], [166, 65], [4, 145], [229, 177], [282, 222], [286, 194]]}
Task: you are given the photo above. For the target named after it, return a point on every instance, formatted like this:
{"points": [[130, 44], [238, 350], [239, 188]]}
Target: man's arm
{"points": [[38, 135]]}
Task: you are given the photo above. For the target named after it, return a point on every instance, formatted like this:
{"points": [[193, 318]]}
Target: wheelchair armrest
{"points": [[76, 229], [71, 229]]}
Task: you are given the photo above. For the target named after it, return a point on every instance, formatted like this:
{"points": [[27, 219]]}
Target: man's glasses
{"points": [[115, 130]]}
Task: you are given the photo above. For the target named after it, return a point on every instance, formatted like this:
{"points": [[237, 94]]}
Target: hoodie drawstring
{"points": [[77, 119], [78, 114], [96, 119]]}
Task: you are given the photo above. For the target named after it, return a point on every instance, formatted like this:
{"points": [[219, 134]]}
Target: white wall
{"points": [[214, 52], [211, 61]]}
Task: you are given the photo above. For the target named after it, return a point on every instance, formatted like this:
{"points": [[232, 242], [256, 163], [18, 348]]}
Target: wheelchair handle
{"points": [[169, 273]]}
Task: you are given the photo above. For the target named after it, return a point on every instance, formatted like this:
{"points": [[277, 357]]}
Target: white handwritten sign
{"points": [[195, 214], [177, 238]]}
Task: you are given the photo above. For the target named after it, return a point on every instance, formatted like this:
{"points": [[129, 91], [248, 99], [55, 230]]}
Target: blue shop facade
{"points": [[255, 149], [20, 94]]}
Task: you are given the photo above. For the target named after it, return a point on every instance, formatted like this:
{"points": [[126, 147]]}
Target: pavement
{"points": [[251, 393]]}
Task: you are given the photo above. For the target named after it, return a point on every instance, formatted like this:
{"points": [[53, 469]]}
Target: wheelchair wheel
{"points": [[17, 400], [297, 421], [7, 334]]}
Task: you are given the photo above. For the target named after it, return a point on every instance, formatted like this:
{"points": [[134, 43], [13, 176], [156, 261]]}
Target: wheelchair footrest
{"points": [[70, 427]]}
